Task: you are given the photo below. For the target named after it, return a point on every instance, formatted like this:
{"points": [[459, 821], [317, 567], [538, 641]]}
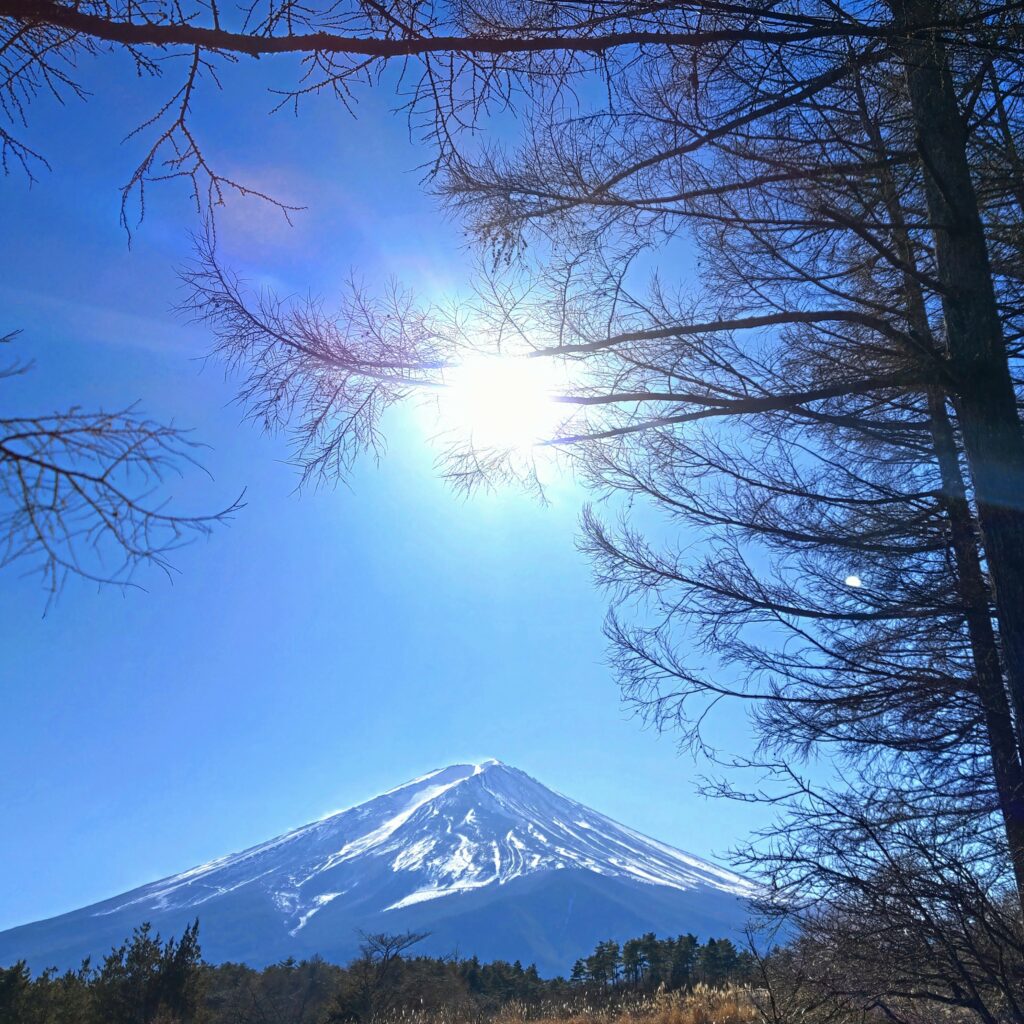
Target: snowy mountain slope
{"points": [[481, 855]]}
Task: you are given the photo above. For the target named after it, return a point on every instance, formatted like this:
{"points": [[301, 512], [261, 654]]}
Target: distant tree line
{"points": [[148, 980], [650, 963]]}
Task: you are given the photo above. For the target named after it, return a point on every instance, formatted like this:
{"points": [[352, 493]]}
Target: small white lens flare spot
{"points": [[853, 581], [503, 401]]}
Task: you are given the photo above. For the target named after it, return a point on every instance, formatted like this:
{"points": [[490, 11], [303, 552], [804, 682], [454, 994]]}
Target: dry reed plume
{"points": [[701, 1005]]}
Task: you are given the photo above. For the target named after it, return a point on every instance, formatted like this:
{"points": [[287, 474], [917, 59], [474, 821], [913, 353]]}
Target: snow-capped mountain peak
{"points": [[444, 833], [437, 845]]}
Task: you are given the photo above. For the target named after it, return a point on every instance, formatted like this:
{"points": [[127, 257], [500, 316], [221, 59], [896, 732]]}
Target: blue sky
{"points": [[326, 645]]}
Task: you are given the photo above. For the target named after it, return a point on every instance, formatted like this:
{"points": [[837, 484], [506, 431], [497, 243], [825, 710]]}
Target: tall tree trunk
{"points": [[1003, 733], [984, 395], [974, 593]]}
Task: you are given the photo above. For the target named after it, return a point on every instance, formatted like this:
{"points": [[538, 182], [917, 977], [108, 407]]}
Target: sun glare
{"points": [[503, 401]]}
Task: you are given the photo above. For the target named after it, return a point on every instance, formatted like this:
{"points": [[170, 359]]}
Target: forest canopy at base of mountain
{"points": [[148, 980]]}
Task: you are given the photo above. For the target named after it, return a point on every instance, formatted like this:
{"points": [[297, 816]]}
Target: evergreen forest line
{"points": [[149, 980]]}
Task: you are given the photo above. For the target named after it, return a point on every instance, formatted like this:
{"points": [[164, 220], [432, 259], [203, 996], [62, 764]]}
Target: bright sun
{"points": [[503, 401]]}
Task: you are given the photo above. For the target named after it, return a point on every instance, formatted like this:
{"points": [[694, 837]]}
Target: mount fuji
{"points": [[482, 856]]}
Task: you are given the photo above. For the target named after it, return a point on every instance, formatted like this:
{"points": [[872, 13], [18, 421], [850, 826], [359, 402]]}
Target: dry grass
{"points": [[703, 1005]]}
